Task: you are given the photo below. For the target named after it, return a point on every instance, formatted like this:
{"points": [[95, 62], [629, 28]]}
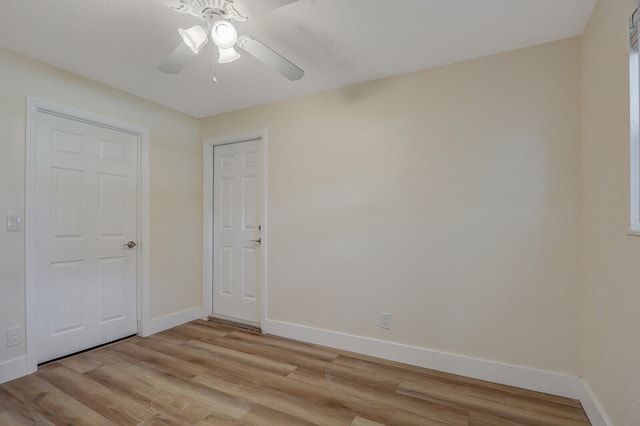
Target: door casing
{"points": [[34, 106], [207, 184]]}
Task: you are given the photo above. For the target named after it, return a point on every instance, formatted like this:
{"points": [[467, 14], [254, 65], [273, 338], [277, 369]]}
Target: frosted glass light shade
{"points": [[195, 37], [227, 55], [224, 34]]}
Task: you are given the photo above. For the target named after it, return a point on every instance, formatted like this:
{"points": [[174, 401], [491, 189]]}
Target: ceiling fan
{"points": [[218, 31]]}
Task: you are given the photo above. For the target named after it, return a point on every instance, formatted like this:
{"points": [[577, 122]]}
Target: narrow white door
{"points": [[86, 207], [237, 226]]}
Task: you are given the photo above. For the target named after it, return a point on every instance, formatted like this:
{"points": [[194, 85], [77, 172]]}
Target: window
{"points": [[634, 88]]}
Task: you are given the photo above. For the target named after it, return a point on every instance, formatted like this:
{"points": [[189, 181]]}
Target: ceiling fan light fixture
{"points": [[227, 55], [224, 34], [195, 37], [218, 30]]}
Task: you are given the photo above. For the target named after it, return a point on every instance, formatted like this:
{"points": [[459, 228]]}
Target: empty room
{"points": [[330, 212]]}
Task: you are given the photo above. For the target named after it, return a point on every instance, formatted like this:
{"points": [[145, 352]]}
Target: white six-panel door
{"points": [[86, 209], [237, 217]]}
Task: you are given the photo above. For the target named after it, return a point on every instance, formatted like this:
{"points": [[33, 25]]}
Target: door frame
{"points": [[207, 185], [35, 106]]}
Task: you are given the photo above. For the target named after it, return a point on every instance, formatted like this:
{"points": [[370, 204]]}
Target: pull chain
{"points": [[212, 60], [212, 47]]}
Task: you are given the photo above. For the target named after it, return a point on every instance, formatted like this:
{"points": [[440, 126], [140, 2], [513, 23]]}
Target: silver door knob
{"points": [[130, 244], [258, 241]]}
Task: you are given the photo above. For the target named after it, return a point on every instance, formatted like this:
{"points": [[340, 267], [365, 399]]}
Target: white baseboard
{"points": [[506, 374], [166, 322], [13, 369], [593, 408]]}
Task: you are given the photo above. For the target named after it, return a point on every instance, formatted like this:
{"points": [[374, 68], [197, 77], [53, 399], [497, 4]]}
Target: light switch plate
{"points": [[14, 222]]}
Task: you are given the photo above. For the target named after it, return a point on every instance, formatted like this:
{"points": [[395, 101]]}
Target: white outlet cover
{"points": [[15, 336], [385, 320], [14, 222]]}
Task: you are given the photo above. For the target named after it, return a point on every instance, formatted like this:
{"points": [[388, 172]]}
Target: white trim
{"points": [[633, 233], [207, 228], [496, 372], [529, 378], [208, 146], [13, 369], [593, 408], [634, 139], [34, 105], [144, 232], [30, 149], [168, 321]]}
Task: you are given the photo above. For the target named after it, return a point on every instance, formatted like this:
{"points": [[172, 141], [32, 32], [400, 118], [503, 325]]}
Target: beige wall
{"points": [[176, 188], [610, 348], [458, 199], [448, 198]]}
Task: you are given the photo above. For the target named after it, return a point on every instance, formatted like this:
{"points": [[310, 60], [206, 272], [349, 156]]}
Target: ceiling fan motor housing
{"points": [[206, 8]]}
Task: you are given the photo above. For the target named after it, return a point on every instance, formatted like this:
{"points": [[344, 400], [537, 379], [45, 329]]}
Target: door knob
{"points": [[130, 244], [258, 241]]}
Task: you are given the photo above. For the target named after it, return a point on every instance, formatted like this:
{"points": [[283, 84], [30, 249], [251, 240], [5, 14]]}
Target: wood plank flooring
{"points": [[209, 373]]}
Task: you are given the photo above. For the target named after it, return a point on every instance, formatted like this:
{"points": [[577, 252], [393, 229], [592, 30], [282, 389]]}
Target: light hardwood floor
{"points": [[208, 373]]}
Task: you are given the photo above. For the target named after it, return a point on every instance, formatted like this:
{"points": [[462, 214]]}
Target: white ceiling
{"points": [[337, 42]]}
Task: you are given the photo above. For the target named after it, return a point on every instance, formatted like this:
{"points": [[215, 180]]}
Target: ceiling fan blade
{"points": [[177, 59], [252, 8], [269, 57]]}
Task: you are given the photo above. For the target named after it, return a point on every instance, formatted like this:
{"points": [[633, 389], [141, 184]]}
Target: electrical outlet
{"points": [[385, 320], [14, 222], [15, 336]]}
